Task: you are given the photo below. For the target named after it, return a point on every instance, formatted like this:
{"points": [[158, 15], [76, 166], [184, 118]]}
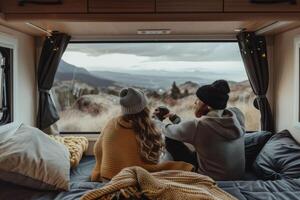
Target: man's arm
{"points": [[184, 131], [239, 115]]}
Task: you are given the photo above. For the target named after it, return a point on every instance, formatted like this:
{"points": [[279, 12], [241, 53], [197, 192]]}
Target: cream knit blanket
{"points": [[76, 146], [137, 183]]}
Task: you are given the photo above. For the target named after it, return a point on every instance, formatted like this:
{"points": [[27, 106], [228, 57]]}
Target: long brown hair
{"points": [[149, 138]]}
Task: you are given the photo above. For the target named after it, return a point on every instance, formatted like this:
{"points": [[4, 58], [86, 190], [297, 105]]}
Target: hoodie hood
{"points": [[228, 123]]}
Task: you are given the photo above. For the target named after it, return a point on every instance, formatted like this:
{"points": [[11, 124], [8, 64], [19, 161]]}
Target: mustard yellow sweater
{"points": [[117, 148]]}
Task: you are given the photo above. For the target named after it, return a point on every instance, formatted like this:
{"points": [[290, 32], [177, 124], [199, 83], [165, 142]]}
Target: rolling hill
{"points": [[147, 81], [66, 72]]}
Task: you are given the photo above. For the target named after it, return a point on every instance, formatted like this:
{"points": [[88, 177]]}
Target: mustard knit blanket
{"points": [[76, 146], [137, 183]]}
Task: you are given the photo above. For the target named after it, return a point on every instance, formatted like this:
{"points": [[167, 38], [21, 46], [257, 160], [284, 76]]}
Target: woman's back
{"points": [[117, 148], [120, 148], [131, 140]]}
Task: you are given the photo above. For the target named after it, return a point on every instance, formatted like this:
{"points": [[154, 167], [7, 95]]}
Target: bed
{"points": [[80, 184], [276, 160], [263, 190]]}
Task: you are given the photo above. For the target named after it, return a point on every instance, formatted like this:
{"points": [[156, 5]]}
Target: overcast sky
{"points": [[221, 60]]}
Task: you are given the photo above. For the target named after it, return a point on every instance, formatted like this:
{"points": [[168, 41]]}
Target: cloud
{"points": [[196, 51], [211, 60]]}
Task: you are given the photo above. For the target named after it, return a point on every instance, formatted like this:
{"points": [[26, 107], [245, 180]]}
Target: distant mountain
{"points": [[65, 67], [145, 80], [67, 72], [190, 86], [239, 85]]}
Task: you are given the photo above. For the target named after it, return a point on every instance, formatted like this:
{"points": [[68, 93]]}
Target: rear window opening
{"points": [[6, 85], [90, 76]]}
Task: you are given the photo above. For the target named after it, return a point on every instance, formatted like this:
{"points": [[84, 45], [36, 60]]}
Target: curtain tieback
{"points": [[261, 96], [45, 91], [257, 100]]}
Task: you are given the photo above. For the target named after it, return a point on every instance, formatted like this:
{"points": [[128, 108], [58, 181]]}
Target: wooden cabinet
{"points": [[189, 5], [121, 6], [68, 6], [134, 10], [246, 6]]}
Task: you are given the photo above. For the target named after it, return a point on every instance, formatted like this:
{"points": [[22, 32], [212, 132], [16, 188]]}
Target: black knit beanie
{"points": [[214, 95]]}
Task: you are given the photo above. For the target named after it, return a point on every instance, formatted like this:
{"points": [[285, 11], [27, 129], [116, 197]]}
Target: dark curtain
{"points": [[53, 49], [254, 53]]}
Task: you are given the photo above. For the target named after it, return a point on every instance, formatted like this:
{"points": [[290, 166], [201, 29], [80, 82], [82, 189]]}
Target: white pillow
{"points": [[30, 158]]}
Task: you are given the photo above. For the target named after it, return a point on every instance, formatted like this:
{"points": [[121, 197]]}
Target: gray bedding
{"points": [[80, 183], [263, 190]]}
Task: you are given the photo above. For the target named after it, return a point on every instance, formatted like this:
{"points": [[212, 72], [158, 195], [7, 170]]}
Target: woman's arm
{"points": [[96, 173]]}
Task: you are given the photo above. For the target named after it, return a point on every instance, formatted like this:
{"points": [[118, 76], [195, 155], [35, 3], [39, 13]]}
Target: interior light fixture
{"points": [[153, 31], [273, 27], [239, 30], [48, 32]]}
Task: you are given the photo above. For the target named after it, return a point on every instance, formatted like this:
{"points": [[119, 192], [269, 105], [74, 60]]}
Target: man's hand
{"points": [[161, 113], [169, 115]]}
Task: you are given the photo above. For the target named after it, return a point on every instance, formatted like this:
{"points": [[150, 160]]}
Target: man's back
{"points": [[218, 140], [219, 143]]}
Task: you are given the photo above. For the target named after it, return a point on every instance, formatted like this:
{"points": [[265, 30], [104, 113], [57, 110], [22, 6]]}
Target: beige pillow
{"points": [[77, 146], [29, 158]]}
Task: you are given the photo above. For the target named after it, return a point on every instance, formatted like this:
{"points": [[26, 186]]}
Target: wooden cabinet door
{"points": [[189, 5], [68, 6], [121, 6], [246, 6]]}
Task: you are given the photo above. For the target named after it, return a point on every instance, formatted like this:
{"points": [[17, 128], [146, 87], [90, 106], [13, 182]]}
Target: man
{"points": [[217, 134]]}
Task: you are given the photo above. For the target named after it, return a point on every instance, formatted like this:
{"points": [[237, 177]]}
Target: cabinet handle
{"points": [[23, 2], [273, 1]]}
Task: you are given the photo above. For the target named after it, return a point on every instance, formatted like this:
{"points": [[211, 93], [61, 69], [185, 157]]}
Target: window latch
{"points": [[2, 62]]}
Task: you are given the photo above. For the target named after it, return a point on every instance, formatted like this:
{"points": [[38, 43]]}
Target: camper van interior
{"points": [[149, 99]]}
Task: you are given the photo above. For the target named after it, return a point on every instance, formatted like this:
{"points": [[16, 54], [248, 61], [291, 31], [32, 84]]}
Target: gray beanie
{"points": [[132, 101]]}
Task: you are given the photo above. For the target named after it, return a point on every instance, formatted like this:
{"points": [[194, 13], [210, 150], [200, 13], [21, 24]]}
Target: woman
{"points": [[131, 140]]}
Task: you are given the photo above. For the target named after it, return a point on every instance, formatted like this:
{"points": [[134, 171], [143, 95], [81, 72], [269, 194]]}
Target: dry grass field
{"points": [[92, 111]]}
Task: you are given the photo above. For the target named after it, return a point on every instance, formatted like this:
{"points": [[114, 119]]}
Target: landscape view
{"points": [[90, 76]]}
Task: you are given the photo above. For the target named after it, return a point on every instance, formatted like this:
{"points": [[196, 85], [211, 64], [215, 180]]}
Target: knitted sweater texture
{"points": [[117, 148], [137, 183]]}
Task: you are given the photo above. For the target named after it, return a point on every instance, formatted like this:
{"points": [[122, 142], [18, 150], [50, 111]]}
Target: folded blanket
{"points": [[76, 146], [137, 183]]}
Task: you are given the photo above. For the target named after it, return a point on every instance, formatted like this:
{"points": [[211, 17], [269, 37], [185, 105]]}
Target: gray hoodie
{"points": [[218, 138]]}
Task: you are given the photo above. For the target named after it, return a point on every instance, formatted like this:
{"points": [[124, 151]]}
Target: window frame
{"points": [[7, 96], [297, 83], [10, 42], [143, 40]]}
